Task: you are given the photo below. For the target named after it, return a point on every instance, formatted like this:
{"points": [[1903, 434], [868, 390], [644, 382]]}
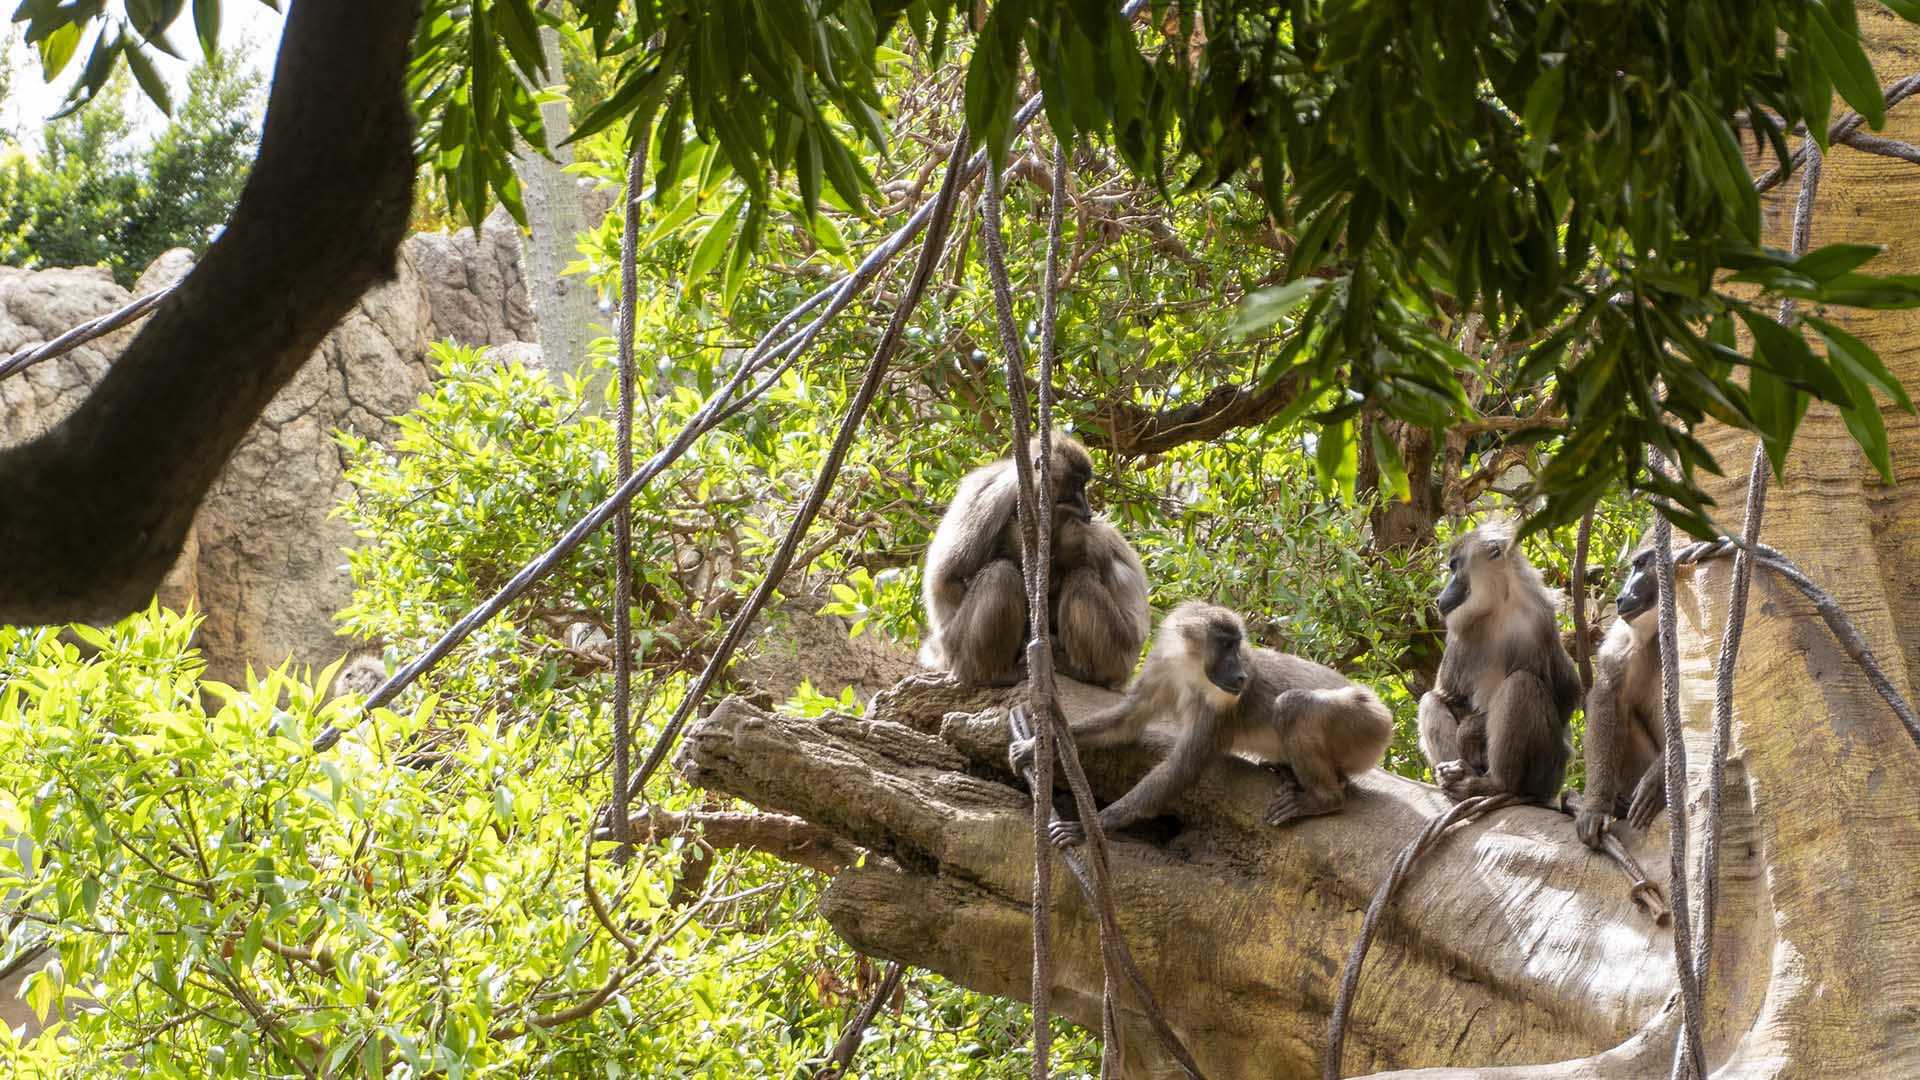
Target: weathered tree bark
{"points": [[1513, 952], [93, 513], [556, 215]]}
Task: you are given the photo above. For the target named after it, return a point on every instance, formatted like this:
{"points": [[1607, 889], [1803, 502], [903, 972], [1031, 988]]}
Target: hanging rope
{"points": [[930, 252], [80, 335], [1035, 543], [1691, 1005], [1429, 837], [1730, 634], [771, 347], [623, 521], [1039, 654]]}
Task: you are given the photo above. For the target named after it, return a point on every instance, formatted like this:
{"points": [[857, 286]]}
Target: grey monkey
{"points": [[1625, 737], [1496, 720], [1318, 729], [976, 596]]}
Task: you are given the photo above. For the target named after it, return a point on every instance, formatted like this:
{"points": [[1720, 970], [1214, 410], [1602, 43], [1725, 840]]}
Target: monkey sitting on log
{"points": [[1496, 721], [976, 596], [1624, 734], [1317, 728]]}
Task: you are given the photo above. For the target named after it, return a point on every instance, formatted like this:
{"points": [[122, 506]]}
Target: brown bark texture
{"points": [[94, 512], [1513, 951]]}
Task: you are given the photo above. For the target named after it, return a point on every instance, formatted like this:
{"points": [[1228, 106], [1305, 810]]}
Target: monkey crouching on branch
{"points": [[976, 594], [1496, 721], [1315, 726], [1625, 737]]}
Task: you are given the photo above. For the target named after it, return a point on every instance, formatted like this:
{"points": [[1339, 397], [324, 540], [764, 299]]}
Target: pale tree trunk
{"points": [[563, 305], [1512, 951]]}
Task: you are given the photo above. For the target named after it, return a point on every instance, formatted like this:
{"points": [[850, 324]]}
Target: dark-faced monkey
{"points": [[976, 596], [1624, 733], [1496, 720], [1283, 710]]}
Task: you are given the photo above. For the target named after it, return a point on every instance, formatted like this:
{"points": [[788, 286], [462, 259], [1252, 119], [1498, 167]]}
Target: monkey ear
{"points": [[1496, 548]]}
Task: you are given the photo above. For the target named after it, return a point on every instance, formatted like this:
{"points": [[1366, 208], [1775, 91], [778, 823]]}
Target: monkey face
{"points": [[1478, 572], [1226, 658], [1071, 473], [1641, 591]]}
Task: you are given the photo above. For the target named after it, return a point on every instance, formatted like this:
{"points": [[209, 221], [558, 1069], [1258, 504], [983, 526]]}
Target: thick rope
{"points": [[1842, 130], [1723, 681], [623, 521], [1035, 508], [1035, 543], [849, 1043], [1089, 870], [722, 404], [1436, 827], [1039, 613], [106, 324], [1691, 1004], [930, 253]]}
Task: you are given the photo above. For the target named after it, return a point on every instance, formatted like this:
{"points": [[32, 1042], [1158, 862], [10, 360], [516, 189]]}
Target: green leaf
{"points": [[1868, 429], [1393, 467], [1777, 409], [1906, 9], [56, 49], [206, 24], [1335, 458], [713, 243], [1262, 309], [1826, 263], [1785, 352], [149, 79], [1857, 358], [1839, 52]]}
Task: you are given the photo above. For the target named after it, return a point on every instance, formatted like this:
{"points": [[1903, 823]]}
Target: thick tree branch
{"points": [[786, 838], [1511, 943], [1133, 431], [93, 513]]}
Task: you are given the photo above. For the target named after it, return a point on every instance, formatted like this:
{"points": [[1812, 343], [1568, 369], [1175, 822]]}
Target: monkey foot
{"points": [[1450, 773], [1066, 834]]}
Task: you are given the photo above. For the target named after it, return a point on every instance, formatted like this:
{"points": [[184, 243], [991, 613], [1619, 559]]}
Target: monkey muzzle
{"points": [[1074, 506], [1634, 601], [1453, 596], [1231, 679]]}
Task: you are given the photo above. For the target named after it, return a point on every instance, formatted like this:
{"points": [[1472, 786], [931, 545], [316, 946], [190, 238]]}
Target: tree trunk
{"points": [[563, 305], [94, 512], [1512, 950]]}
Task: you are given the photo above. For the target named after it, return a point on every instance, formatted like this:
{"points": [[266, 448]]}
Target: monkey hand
{"points": [[1020, 755], [1591, 827], [1066, 834], [1449, 773], [1649, 798]]}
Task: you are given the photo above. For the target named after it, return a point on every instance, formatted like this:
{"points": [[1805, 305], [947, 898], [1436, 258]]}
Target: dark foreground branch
{"points": [[93, 513]]}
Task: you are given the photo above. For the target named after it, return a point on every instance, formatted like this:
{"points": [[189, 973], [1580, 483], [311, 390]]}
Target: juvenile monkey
{"points": [[1496, 720], [1282, 710], [976, 595], [1099, 603], [1624, 734]]}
